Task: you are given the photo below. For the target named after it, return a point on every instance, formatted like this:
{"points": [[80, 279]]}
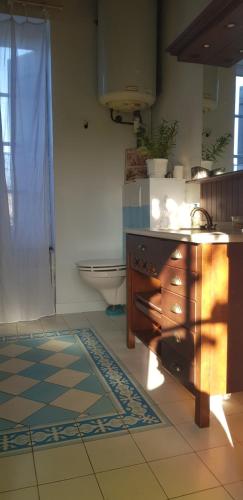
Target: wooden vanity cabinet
{"points": [[185, 302]]}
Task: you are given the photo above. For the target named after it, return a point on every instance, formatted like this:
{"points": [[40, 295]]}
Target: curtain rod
{"points": [[43, 5]]}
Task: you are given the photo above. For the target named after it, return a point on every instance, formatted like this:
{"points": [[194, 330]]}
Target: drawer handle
{"points": [[176, 281], [178, 369], [176, 308], [142, 247], [176, 255], [177, 338]]}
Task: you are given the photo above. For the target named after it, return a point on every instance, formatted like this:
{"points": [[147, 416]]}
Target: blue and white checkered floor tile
{"points": [[57, 383], [48, 380]]}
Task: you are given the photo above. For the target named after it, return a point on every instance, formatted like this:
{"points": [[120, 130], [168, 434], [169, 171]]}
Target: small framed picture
{"points": [[135, 165]]}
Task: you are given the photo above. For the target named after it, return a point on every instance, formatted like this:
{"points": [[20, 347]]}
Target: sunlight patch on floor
{"points": [[216, 407], [154, 377]]}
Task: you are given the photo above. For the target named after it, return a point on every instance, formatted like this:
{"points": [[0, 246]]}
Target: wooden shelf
{"points": [[217, 178], [214, 37]]}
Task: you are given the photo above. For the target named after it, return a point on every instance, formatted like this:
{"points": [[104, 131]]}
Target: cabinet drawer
{"points": [[150, 255], [177, 337], [150, 299], [180, 255], [152, 314], [180, 309], [179, 281], [177, 365]]}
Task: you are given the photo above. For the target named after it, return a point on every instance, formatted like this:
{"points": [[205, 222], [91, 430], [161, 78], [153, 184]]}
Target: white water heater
{"points": [[127, 53]]}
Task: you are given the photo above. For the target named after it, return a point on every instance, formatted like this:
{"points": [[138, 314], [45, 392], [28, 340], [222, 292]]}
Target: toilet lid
{"points": [[102, 265]]}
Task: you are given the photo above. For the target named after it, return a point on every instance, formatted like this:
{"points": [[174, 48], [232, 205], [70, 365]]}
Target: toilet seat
{"points": [[101, 265]]}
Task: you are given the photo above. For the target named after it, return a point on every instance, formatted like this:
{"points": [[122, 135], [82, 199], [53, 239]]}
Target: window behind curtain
{"points": [[5, 109], [5, 120]]}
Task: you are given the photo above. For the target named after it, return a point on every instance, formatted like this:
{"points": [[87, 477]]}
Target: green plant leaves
{"points": [[213, 152], [161, 142]]}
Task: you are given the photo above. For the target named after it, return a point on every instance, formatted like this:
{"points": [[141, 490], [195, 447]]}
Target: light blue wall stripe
{"points": [[135, 217]]}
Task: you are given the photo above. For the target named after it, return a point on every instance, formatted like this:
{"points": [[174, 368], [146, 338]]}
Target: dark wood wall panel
{"points": [[222, 197], [241, 195]]}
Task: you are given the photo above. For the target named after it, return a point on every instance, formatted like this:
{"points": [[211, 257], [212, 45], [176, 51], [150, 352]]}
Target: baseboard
{"points": [[79, 307]]}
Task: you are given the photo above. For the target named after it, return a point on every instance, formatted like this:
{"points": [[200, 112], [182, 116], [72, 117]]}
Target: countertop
{"points": [[220, 235]]}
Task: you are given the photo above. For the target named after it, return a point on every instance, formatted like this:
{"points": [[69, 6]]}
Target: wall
{"points": [[221, 120], [88, 163], [181, 83]]}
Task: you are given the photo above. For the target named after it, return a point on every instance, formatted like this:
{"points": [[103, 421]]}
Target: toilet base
{"points": [[117, 310]]}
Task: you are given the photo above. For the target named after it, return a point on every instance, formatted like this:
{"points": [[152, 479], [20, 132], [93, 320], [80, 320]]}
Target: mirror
{"points": [[223, 113]]}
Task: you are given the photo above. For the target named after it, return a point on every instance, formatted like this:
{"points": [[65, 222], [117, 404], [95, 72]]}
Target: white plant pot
{"points": [[207, 164], [157, 167]]}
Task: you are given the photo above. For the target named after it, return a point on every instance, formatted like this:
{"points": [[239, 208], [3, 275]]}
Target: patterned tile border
{"points": [[18, 440], [55, 434], [135, 410]]}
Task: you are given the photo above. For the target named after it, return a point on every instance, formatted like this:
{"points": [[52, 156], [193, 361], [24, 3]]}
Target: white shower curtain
{"points": [[25, 283]]}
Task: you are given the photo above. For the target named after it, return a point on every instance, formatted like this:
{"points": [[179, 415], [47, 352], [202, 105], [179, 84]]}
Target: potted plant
{"points": [[212, 152], [157, 147]]}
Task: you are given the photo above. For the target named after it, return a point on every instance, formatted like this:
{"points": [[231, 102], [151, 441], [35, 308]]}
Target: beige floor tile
{"points": [[202, 439], [169, 392], [137, 363], [235, 423], [13, 350], [55, 345], [120, 322], [82, 488], [25, 327], [225, 462], [8, 329], [183, 475], [238, 396], [60, 360], [140, 351], [161, 443], [117, 341], [65, 462], [235, 489], [100, 321], [53, 323], [17, 409], [67, 377], [138, 375], [17, 384], [233, 405], [135, 483], [76, 400], [137, 366], [17, 472], [213, 494], [23, 494], [180, 411], [113, 453], [76, 320], [15, 365]]}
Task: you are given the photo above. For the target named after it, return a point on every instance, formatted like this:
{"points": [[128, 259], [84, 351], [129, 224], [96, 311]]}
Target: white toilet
{"points": [[109, 278]]}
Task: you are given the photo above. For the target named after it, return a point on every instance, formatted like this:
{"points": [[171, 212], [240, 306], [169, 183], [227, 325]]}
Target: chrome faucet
{"points": [[209, 224]]}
